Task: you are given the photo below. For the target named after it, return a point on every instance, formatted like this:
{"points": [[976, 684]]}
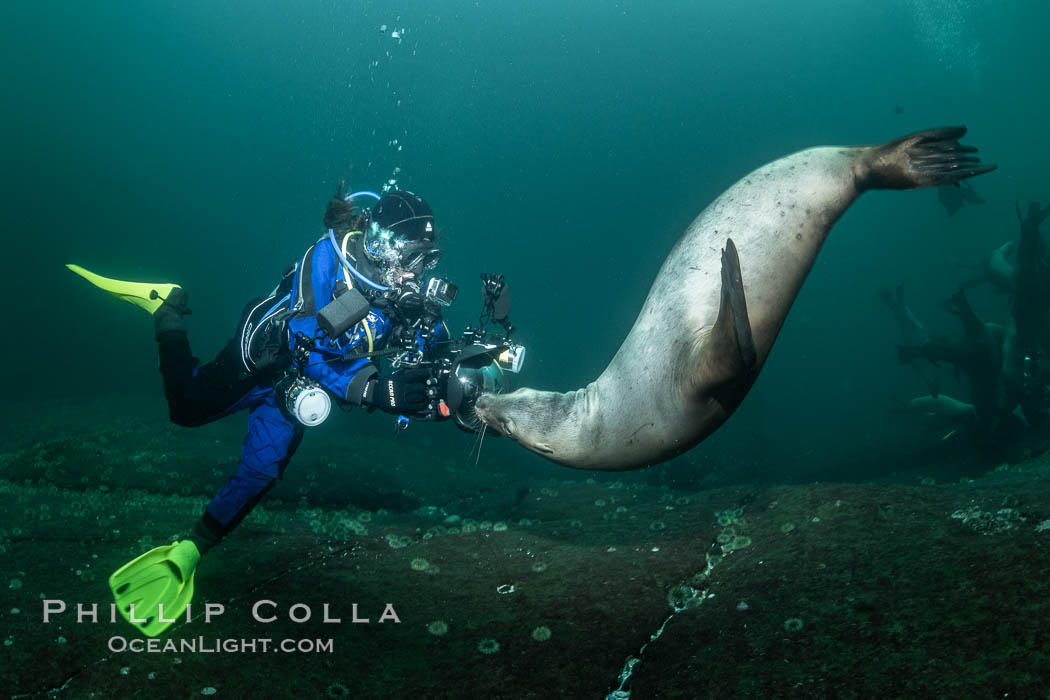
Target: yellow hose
{"points": [[369, 333]]}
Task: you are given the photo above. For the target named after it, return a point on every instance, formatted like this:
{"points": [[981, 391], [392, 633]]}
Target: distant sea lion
{"points": [[978, 354], [943, 405], [1027, 329], [707, 326], [912, 332], [996, 270], [952, 197]]}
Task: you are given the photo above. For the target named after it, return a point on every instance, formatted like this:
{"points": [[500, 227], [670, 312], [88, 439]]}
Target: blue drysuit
{"points": [[199, 394]]}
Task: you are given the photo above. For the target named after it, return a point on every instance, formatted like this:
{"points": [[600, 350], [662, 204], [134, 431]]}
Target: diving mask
{"points": [[401, 259]]}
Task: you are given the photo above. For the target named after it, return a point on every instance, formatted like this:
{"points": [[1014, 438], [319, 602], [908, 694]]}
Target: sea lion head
{"points": [[531, 418]]}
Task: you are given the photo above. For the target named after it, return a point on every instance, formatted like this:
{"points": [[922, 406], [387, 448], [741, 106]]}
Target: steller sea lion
{"points": [[710, 320]]}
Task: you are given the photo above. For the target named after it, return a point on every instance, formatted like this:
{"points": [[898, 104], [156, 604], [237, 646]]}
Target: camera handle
{"points": [[495, 299]]}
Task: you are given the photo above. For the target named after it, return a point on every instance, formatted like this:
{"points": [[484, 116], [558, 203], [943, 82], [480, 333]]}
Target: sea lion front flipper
{"points": [[728, 354], [733, 293]]}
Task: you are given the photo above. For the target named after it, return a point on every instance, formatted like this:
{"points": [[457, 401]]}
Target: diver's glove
{"points": [[399, 393], [169, 316]]}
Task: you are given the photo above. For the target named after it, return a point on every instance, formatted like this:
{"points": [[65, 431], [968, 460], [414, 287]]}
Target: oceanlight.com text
{"points": [[217, 645]]}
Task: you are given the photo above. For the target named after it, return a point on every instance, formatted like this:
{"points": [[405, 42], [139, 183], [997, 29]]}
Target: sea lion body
{"points": [[697, 346]]}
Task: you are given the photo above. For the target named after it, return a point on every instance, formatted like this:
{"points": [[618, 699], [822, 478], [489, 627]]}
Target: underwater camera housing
{"points": [[462, 369], [475, 372]]}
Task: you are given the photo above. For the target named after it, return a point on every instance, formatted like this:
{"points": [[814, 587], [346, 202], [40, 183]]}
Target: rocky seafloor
{"points": [[511, 587]]}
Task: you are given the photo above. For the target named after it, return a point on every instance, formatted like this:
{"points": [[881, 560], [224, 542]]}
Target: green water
{"points": [[564, 145]]}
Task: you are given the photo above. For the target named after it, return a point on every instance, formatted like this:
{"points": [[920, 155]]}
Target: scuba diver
{"points": [[356, 295]]}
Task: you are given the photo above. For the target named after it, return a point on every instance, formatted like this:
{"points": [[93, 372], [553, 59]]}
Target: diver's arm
{"points": [[400, 393], [344, 378], [359, 383]]}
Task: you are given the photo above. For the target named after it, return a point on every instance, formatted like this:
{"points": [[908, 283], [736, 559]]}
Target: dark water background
{"points": [[566, 145]]}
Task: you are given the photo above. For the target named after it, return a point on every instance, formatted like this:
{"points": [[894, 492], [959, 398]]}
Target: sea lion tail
{"points": [[923, 159]]}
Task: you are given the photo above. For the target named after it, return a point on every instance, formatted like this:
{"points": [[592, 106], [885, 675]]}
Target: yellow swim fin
{"points": [[144, 295], [161, 576]]}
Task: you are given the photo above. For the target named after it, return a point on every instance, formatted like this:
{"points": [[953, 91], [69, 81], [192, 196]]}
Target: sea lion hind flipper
{"points": [[923, 159], [728, 355]]}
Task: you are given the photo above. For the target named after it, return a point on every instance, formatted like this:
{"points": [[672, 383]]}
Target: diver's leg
{"points": [[196, 393], [272, 440]]}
